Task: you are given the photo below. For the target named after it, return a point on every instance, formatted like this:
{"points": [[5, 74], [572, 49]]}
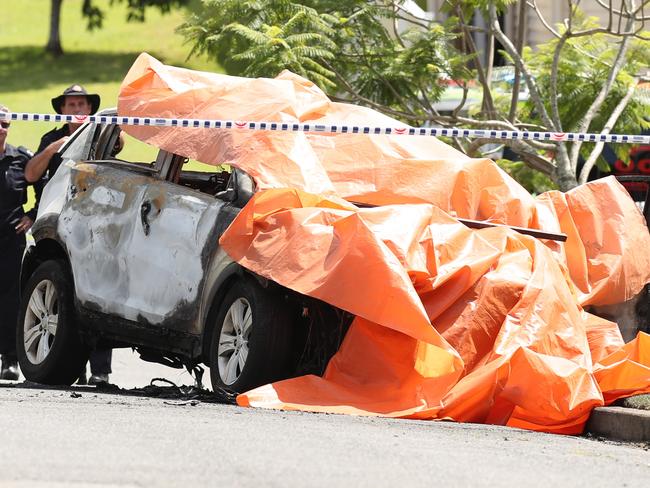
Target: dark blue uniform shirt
{"points": [[13, 188]]}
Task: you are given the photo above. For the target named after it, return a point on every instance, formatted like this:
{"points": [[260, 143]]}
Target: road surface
{"points": [[80, 437]]}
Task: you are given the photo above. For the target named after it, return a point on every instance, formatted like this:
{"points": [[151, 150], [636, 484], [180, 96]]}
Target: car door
{"points": [[137, 243], [169, 258]]}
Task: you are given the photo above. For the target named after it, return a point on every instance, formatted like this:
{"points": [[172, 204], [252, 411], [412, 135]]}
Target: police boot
{"points": [[9, 370], [98, 380]]}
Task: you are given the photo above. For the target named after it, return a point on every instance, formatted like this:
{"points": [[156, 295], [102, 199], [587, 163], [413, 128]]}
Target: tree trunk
{"points": [[54, 42], [564, 176]]}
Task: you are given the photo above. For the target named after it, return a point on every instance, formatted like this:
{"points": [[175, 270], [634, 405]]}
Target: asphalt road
{"points": [[82, 437]]}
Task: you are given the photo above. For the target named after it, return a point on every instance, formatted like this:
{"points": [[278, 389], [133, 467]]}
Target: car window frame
{"points": [[74, 139], [105, 142]]}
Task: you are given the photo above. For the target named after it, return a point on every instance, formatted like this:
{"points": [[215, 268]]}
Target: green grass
{"points": [[98, 60], [29, 77]]}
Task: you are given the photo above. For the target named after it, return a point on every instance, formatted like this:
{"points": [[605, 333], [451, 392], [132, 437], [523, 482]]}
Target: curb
{"points": [[620, 423]]}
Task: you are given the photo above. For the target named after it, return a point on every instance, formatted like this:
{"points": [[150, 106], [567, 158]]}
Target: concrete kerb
{"points": [[622, 423]]}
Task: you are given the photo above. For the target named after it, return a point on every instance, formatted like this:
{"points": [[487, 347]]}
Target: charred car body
{"points": [[127, 255]]}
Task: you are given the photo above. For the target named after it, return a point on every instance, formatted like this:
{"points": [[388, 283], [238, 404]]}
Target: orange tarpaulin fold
{"points": [[498, 299], [471, 325]]}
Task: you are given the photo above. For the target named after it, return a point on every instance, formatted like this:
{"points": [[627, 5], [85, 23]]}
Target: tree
{"points": [[584, 79], [53, 45], [95, 16]]}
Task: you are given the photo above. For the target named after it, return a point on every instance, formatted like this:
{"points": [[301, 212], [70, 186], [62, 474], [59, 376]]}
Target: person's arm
{"points": [[38, 164], [15, 181]]}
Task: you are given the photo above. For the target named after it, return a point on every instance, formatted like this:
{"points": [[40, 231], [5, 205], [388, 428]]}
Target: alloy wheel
{"points": [[41, 321], [233, 340]]}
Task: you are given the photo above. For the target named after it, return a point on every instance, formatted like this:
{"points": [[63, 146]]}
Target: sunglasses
{"points": [[5, 125]]}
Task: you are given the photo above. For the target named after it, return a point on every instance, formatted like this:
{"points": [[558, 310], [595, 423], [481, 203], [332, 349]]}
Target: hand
{"points": [[56, 145], [24, 225]]}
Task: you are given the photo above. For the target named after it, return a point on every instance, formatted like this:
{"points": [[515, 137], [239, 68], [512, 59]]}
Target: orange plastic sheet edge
{"points": [[451, 323]]}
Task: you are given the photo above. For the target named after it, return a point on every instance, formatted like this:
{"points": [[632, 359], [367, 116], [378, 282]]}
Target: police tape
{"points": [[333, 129]]}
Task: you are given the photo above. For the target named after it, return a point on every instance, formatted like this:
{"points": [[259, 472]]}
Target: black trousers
{"points": [[12, 247], [100, 361]]}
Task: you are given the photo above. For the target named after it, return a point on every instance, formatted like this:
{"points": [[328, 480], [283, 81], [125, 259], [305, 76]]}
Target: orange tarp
{"points": [[471, 325]]}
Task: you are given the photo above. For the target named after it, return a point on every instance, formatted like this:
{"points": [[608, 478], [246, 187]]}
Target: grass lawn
{"points": [[98, 60]]}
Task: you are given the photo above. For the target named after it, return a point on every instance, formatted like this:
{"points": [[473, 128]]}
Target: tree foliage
{"points": [[585, 63], [135, 10], [380, 55], [348, 48]]}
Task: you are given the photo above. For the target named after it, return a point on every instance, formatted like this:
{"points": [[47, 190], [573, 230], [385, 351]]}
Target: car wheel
{"points": [[49, 348], [251, 338]]}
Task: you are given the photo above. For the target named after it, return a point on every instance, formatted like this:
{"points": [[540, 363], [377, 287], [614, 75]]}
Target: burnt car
{"points": [[127, 254]]}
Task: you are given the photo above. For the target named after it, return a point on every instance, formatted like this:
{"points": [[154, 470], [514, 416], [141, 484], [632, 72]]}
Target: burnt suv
{"points": [[127, 254]]}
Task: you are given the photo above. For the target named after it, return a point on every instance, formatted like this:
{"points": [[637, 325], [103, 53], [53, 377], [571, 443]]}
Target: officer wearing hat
{"points": [[14, 222], [74, 100]]}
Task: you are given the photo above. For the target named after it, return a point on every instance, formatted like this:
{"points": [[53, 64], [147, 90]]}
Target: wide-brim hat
{"points": [[76, 91]]}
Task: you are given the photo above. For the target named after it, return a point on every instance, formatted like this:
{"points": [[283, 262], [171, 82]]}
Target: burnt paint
{"points": [[156, 278]]}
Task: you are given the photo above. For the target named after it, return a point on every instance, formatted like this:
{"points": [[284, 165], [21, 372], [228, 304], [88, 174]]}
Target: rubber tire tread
{"points": [[68, 355], [269, 357]]}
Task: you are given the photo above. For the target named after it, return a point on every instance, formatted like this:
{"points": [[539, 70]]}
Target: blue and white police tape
{"points": [[333, 129]]}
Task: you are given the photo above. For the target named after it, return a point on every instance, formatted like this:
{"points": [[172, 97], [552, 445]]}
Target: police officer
{"points": [[14, 222], [74, 100]]}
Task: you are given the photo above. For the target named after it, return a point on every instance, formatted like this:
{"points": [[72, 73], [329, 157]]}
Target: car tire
{"points": [[50, 350], [251, 339]]}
